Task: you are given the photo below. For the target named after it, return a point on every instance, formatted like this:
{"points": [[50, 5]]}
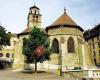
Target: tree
{"points": [[4, 37], [36, 48]]}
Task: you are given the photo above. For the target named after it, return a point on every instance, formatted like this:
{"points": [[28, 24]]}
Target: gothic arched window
{"points": [[70, 45], [55, 46]]}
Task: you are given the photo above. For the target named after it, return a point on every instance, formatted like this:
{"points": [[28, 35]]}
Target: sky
{"points": [[14, 13]]}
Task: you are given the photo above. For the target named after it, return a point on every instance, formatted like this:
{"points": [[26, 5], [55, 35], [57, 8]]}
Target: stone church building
{"points": [[66, 37]]}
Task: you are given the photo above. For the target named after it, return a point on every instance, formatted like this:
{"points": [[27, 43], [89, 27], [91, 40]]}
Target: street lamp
{"points": [[60, 63], [60, 52], [60, 55]]}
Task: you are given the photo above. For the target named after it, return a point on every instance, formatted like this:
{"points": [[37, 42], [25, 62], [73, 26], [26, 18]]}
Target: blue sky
{"points": [[13, 13]]}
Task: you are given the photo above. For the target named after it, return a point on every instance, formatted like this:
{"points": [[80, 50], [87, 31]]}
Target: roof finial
{"points": [[64, 10], [34, 3]]}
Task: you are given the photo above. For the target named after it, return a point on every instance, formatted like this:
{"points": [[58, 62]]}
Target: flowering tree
{"points": [[36, 48]]}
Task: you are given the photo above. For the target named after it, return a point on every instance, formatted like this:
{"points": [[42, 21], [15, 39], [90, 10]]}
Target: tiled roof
{"points": [[64, 19], [28, 30], [35, 7], [13, 35], [95, 31]]}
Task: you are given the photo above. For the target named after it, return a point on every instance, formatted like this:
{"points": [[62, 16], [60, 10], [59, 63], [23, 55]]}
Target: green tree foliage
{"points": [[4, 37], [36, 38]]}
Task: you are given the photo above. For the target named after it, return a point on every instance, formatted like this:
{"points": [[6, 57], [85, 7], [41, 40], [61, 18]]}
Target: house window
{"points": [[93, 46], [1, 54], [55, 46], [92, 40], [83, 79], [33, 16], [70, 45], [13, 55], [35, 11], [36, 16], [87, 40], [95, 61], [99, 44], [99, 52], [94, 53], [8, 55], [95, 58], [33, 19], [97, 38]]}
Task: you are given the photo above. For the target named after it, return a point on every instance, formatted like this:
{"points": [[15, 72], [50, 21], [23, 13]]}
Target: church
{"points": [[66, 39]]}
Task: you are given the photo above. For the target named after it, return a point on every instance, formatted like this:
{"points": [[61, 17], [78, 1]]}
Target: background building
{"points": [[7, 53], [92, 42], [92, 37]]}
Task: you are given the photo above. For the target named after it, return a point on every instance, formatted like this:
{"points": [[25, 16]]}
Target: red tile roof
{"points": [[28, 30], [64, 19]]}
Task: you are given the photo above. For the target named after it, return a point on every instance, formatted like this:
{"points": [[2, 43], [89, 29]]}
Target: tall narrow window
{"points": [[97, 38], [70, 45], [92, 40], [55, 46], [7, 55], [36, 16], [95, 61], [99, 44], [93, 46], [35, 11], [13, 55], [99, 52], [94, 54], [1, 54]]}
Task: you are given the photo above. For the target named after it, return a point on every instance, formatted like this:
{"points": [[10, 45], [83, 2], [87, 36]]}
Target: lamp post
{"points": [[60, 63], [60, 56], [60, 52]]}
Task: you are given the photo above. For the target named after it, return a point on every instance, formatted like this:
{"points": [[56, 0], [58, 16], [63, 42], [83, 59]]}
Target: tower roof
{"points": [[34, 7], [64, 19]]}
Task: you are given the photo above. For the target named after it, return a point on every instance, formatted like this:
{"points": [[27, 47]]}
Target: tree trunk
{"points": [[35, 67]]}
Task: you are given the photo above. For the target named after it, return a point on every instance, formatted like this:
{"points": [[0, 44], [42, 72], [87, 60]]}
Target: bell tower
{"points": [[34, 17]]}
